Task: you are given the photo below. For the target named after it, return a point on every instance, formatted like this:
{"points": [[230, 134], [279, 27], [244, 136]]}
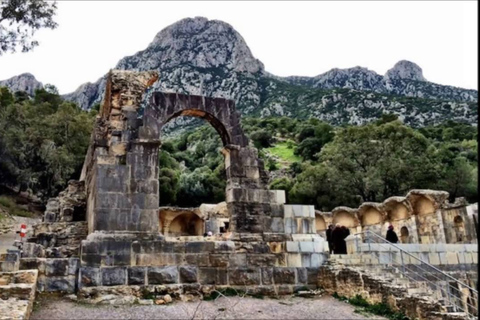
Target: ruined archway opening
{"points": [[191, 172], [191, 165]]}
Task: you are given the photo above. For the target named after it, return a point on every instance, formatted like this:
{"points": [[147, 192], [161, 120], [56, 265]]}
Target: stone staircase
{"points": [[410, 285]]}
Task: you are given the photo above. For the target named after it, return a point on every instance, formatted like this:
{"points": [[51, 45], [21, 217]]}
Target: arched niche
{"points": [[423, 206], [345, 218], [371, 216], [320, 224], [186, 224], [398, 211]]}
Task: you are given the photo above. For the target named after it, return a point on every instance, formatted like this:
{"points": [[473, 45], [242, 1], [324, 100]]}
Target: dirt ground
{"points": [[324, 307]]}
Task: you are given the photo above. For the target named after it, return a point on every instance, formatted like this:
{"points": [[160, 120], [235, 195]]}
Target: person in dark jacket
{"points": [[391, 235], [329, 238], [338, 238]]}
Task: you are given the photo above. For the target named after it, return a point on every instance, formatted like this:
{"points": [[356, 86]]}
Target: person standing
{"points": [[329, 238], [391, 235]]}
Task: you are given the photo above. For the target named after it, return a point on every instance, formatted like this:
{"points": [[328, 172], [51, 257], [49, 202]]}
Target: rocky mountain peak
{"points": [[23, 82], [406, 70], [197, 42]]}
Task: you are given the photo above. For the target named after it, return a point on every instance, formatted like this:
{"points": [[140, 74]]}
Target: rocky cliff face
{"points": [[404, 79], [208, 57], [23, 82]]}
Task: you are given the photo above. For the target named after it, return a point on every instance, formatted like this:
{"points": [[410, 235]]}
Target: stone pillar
{"points": [[122, 178], [252, 207]]}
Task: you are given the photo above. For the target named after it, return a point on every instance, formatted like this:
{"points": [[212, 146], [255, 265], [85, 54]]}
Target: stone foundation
{"points": [[17, 293]]}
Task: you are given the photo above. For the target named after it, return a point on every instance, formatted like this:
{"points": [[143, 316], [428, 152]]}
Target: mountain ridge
{"points": [[209, 57]]}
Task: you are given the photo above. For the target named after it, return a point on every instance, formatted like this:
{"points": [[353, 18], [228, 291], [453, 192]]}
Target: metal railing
{"points": [[455, 295]]}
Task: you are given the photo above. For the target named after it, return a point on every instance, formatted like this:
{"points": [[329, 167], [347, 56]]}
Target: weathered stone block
{"points": [[267, 275], [284, 275], [306, 246], [114, 276], [211, 275], [306, 260], [162, 275], [54, 284], [238, 260], [136, 275], [312, 275], [188, 274], [201, 260], [199, 247], [261, 260], [302, 275], [244, 276], [56, 267], [293, 246], [90, 277], [73, 266], [260, 247], [452, 258], [224, 246], [219, 260], [294, 260], [285, 289]]}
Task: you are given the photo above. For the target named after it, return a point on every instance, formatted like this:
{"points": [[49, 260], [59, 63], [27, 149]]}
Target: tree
{"points": [[20, 19], [379, 161]]}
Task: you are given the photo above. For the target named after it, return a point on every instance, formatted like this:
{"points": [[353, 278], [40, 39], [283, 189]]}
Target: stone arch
{"points": [[121, 166], [404, 235], [320, 224], [219, 112], [186, 224]]}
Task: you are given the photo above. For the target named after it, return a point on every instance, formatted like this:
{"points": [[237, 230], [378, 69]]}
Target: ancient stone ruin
{"points": [[106, 234]]}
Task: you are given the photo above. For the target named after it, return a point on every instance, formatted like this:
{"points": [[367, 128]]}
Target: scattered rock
{"points": [[159, 301], [167, 298], [145, 301]]}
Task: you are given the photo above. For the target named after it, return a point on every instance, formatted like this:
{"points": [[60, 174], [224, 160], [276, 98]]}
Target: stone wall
{"points": [[349, 282], [54, 274], [17, 293], [271, 263]]}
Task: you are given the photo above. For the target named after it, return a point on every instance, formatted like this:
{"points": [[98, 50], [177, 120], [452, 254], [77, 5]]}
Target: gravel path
{"points": [[223, 308]]}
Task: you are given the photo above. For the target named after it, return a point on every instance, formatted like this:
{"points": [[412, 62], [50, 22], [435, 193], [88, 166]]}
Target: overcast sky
{"points": [[290, 38]]}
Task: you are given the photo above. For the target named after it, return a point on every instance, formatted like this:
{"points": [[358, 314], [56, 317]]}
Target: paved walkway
{"points": [[223, 308]]}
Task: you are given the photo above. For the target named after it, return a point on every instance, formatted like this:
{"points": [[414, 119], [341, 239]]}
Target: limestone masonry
{"points": [[106, 234]]}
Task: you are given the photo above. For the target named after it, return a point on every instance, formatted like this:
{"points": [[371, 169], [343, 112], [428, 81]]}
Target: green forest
{"points": [[43, 141]]}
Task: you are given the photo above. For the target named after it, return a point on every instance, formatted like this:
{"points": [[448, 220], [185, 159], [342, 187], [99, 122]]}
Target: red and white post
{"points": [[23, 231]]}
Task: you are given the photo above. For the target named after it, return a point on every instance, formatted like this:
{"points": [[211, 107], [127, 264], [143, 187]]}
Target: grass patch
{"points": [[284, 151], [379, 309], [8, 204]]}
